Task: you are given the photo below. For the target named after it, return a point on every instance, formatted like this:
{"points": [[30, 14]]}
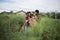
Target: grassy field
{"points": [[45, 29]]}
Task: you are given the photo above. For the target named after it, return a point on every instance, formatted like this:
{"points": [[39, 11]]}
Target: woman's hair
{"points": [[28, 13]]}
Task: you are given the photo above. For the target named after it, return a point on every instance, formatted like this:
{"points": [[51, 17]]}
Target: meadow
{"points": [[45, 29]]}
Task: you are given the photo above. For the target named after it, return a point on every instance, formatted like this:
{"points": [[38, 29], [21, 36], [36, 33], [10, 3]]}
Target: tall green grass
{"points": [[10, 23], [45, 29]]}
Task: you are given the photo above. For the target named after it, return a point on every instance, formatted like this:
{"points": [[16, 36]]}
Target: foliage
{"points": [[45, 29], [10, 23], [58, 15], [54, 15]]}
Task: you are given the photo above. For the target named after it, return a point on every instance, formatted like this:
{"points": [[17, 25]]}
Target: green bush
{"points": [[45, 29], [10, 23], [58, 15]]}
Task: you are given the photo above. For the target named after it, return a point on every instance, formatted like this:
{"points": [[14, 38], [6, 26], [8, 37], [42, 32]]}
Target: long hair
{"points": [[28, 14]]}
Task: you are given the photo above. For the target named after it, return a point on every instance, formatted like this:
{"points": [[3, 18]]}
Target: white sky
{"points": [[28, 5]]}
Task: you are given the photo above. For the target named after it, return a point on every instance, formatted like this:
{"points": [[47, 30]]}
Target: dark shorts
{"points": [[27, 24]]}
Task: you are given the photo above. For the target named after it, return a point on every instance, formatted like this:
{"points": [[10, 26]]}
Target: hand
{"points": [[26, 20]]}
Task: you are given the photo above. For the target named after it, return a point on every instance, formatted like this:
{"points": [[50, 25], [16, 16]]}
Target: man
{"points": [[37, 14]]}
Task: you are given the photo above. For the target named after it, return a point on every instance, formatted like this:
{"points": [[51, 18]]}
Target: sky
{"points": [[30, 5]]}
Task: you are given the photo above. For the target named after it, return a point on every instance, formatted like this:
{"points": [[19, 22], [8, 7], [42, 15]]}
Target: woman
{"points": [[27, 18]]}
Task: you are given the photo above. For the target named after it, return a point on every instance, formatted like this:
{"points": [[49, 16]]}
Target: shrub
{"points": [[10, 23]]}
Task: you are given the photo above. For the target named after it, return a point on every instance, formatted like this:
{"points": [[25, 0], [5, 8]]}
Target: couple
{"points": [[30, 18]]}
